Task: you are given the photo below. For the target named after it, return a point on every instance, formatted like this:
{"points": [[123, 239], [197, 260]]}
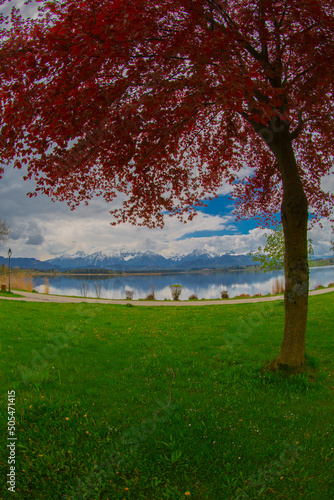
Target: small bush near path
{"points": [[176, 291], [46, 286], [278, 286], [129, 294]]}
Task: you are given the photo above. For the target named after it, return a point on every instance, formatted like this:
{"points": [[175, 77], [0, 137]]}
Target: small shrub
{"points": [[193, 297], [28, 284], [278, 287], [176, 291], [129, 294], [151, 296], [224, 294], [319, 287], [98, 290], [244, 296], [84, 289], [46, 286], [258, 295], [330, 284]]}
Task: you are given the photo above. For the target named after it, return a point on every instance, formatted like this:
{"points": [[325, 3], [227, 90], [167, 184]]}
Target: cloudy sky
{"points": [[43, 229]]}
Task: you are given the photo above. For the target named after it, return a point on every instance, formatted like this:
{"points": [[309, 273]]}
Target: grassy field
{"points": [[125, 402], [10, 294]]}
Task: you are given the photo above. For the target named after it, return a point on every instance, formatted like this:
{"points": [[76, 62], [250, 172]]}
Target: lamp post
{"points": [[9, 256]]}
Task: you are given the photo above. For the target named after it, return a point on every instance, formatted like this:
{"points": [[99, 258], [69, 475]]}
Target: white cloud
{"points": [[43, 229], [322, 238], [239, 243], [27, 11]]}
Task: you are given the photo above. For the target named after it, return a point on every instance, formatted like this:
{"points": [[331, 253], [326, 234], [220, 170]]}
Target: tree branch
{"points": [[295, 133]]}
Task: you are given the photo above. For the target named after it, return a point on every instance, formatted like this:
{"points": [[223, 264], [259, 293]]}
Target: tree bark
{"points": [[294, 213]]}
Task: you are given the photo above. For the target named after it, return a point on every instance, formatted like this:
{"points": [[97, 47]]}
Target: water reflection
{"points": [[206, 285]]}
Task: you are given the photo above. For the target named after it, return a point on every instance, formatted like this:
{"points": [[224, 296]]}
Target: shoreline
{"points": [[231, 269], [47, 298]]}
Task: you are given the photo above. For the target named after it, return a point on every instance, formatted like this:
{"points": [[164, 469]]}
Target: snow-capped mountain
{"points": [[123, 260]]}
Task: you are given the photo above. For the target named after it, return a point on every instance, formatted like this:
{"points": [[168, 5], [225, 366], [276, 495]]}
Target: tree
{"points": [[166, 101], [176, 291], [4, 231], [271, 257]]}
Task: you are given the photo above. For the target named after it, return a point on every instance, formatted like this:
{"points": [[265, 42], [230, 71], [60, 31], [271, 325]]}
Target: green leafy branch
{"points": [[271, 257]]}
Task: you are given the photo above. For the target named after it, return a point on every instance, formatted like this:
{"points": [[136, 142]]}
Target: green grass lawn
{"points": [[116, 402], [9, 294]]}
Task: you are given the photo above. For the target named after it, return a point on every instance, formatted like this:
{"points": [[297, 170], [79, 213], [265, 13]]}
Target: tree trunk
{"points": [[294, 212]]}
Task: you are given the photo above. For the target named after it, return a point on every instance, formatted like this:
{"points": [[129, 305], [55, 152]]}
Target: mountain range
{"points": [[134, 261]]}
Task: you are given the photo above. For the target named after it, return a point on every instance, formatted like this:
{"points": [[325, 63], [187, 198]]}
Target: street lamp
{"points": [[9, 256]]}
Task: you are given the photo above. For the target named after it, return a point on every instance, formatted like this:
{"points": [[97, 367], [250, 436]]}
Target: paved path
{"points": [[39, 297]]}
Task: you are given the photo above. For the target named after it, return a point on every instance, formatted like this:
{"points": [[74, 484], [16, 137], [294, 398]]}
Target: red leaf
{"points": [[77, 49]]}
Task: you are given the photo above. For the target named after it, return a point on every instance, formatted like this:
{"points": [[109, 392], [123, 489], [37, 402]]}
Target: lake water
{"points": [[206, 285]]}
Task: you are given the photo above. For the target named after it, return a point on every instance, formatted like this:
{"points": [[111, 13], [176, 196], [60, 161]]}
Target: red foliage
{"points": [[166, 101]]}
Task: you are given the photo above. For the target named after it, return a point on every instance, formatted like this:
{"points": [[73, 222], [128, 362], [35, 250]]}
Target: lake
{"points": [[206, 284]]}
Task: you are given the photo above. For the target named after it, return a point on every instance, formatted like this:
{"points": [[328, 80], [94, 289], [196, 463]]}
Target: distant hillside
{"points": [[133, 261], [141, 262], [24, 263]]}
